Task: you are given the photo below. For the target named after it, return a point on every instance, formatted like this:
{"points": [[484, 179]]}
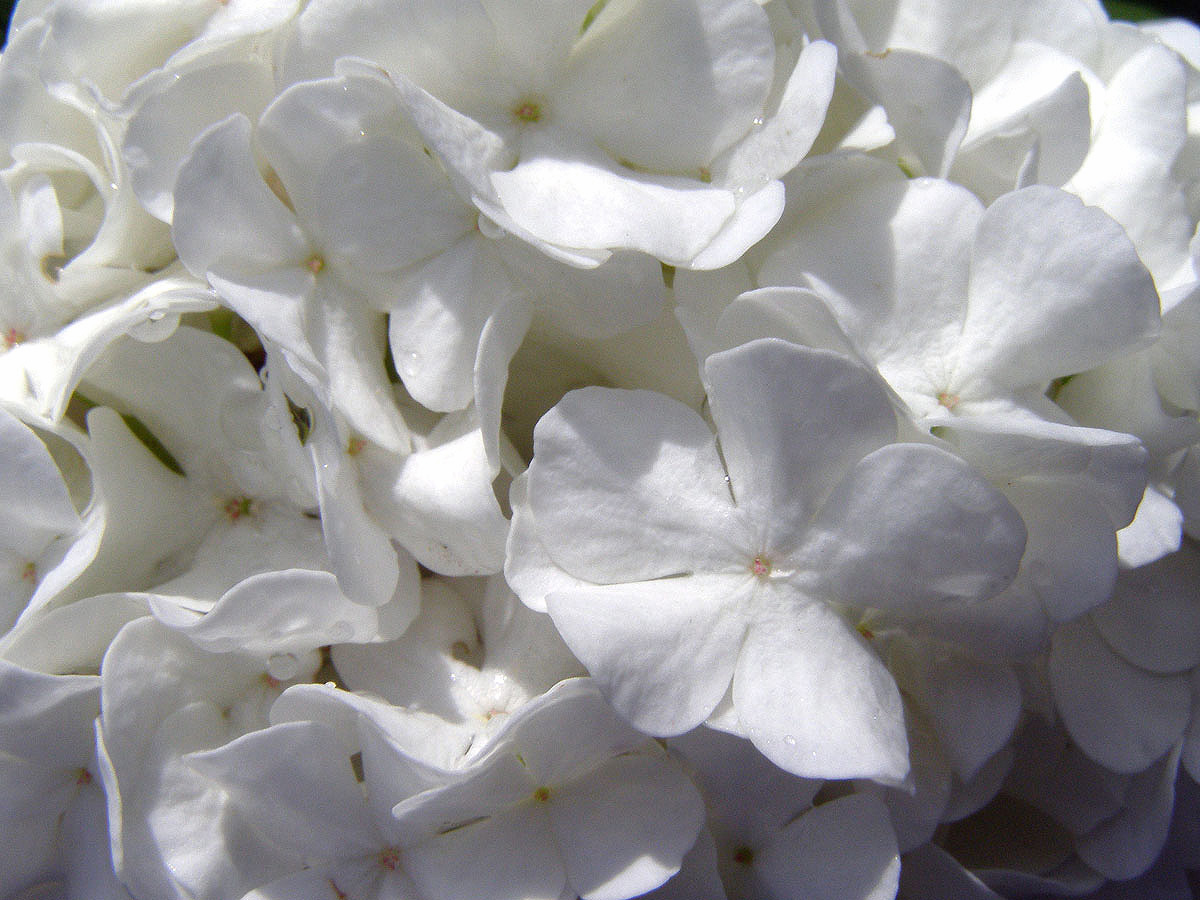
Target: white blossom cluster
{"points": [[523, 450]]}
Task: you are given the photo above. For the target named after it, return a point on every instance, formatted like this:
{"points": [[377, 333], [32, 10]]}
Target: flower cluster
{"points": [[683, 449]]}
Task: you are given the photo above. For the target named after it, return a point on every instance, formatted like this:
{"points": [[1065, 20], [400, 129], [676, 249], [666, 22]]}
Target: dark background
{"points": [[1118, 9]]}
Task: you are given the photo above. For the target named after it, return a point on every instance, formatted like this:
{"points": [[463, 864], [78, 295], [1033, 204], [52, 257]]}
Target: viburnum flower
{"points": [[565, 799], [773, 841], [175, 832], [589, 806], [650, 126], [679, 570], [45, 541], [52, 811], [1126, 677], [965, 309]]}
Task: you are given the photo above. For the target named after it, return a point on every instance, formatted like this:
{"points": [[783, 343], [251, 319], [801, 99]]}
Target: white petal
{"points": [[1121, 716], [1070, 560], [1128, 844], [349, 339], [468, 150], [796, 315], [752, 219], [439, 504], [1153, 618], [623, 293], [47, 719], [646, 470], [44, 373], [225, 215], [910, 524], [172, 107], [363, 558], [1015, 112], [928, 102], [150, 512], [841, 850], [33, 494], [1155, 531], [528, 568], [930, 871], [698, 877], [668, 85], [72, 638], [777, 146], [662, 651], [447, 47], [1094, 298], [292, 611], [889, 257], [791, 420], [510, 854], [1105, 465], [437, 317], [499, 341], [1128, 171], [815, 699], [358, 174], [625, 826], [295, 783], [565, 193], [973, 704]]}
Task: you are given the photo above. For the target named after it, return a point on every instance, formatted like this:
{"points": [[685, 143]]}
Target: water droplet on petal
{"points": [[283, 666]]}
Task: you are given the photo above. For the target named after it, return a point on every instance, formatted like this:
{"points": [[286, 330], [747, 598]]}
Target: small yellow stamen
{"points": [[743, 856], [390, 859], [315, 264], [237, 507], [29, 573], [542, 794], [948, 400], [760, 567], [865, 632], [12, 337], [528, 111], [355, 446]]}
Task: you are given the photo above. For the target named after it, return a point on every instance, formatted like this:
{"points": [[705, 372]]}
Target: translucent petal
{"points": [[815, 699]]}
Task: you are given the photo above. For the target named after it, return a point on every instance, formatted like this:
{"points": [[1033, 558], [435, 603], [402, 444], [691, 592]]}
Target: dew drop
{"points": [[790, 740], [283, 666]]}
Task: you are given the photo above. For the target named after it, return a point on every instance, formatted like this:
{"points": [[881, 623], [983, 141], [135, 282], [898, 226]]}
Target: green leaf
{"points": [[1131, 12]]}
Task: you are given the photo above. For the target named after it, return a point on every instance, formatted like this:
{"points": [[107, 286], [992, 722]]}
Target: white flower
{"points": [[772, 842], [565, 799], [964, 309], [585, 132], [52, 810], [675, 584]]}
